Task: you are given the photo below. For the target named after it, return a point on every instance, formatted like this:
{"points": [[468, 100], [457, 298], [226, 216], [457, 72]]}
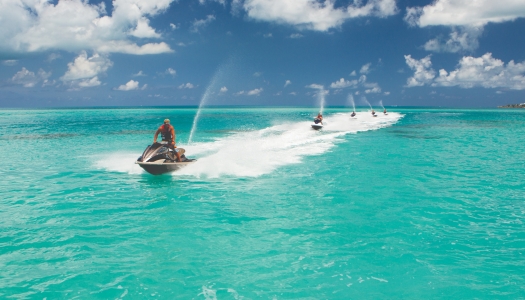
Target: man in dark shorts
{"points": [[168, 135]]}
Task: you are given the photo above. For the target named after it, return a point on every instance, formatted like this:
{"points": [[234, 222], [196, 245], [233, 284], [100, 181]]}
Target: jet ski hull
{"points": [[317, 126], [159, 168], [159, 159]]}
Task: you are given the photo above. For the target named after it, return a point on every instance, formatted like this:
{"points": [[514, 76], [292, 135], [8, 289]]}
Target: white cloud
{"points": [[30, 79], [140, 73], [287, 83], [268, 35], [223, 89], [293, 93], [254, 92], [173, 26], [371, 87], [74, 25], [342, 83], [85, 83], [373, 90], [460, 39], [186, 86], [315, 86], [466, 18], [257, 74], [171, 72], [129, 86], [312, 14], [10, 62], [199, 24], [484, 71], [365, 69], [386, 93], [143, 30], [423, 72], [83, 67], [296, 36], [465, 12], [353, 73]]}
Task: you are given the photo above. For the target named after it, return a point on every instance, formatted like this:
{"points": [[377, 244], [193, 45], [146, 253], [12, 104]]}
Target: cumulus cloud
{"points": [[353, 73], [365, 69], [199, 24], [30, 79], [171, 72], [342, 83], [296, 36], [83, 67], [129, 86], [10, 62], [460, 39], [186, 86], [371, 87], [287, 83], [315, 86], [466, 19], [423, 72], [140, 73], [484, 71], [74, 25], [223, 89], [465, 12], [312, 14], [254, 92]]}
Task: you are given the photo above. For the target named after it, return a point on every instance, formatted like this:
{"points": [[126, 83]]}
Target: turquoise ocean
{"points": [[417, 204]]}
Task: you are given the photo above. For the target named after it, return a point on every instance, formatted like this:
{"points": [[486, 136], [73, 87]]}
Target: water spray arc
{"points": [[351, 101], [205, 98]]}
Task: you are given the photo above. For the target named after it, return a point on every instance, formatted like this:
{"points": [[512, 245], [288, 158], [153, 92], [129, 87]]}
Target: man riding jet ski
{"points": [[164, 157]]}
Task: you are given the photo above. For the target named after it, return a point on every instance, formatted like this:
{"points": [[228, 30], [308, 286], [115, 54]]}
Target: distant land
{"points": [[521, 105]]}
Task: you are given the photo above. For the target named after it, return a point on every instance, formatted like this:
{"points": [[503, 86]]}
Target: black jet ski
{"points": [[159, 159]]}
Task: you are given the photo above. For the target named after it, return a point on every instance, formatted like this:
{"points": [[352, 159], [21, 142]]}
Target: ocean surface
{"points": [[416, 204]]}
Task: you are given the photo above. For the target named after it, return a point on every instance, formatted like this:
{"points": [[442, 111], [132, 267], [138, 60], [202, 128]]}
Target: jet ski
{"points": [[317, 124], [159, 159]]}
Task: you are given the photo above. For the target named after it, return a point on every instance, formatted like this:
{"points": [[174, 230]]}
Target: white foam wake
{"points": [[255, 153]]}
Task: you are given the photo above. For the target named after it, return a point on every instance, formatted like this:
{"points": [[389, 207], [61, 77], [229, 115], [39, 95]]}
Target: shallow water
{"points": [[422, 203]]}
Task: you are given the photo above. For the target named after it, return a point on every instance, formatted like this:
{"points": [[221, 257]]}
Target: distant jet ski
{"points": [[159, 159]]}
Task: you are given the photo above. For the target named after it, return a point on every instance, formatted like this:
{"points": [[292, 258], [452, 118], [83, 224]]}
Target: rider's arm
{"points": [[156, 135]]}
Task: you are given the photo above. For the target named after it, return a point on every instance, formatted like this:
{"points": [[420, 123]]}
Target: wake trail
{"points": [[259, 152]]}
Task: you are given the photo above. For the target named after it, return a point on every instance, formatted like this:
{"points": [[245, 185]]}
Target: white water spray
{"points": [[258, 152], [205, 98], [351, 100], [366, 101], [321, 96], [381, 103]]}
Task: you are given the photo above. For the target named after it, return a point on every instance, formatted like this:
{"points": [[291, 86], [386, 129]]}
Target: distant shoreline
{"points": [[521, 105]]}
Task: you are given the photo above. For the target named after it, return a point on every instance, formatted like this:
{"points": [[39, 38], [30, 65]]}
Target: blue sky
{"points": [[454, 53]]}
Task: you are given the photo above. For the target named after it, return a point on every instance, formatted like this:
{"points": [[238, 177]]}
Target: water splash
{"points": [[366, 101], [351, 100], [321, 96], [204, 100], [207, 94], [258, 152], [381, 103]]}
